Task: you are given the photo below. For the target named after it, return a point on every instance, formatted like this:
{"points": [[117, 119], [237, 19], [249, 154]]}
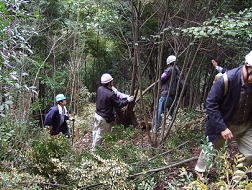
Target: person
{"points": [[229, 116], [106, 102], [169, 80], [57, 117]]}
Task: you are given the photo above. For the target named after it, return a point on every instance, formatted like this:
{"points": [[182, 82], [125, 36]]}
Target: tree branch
{"points": [[167, 152], [164, 168], [147, 89]]}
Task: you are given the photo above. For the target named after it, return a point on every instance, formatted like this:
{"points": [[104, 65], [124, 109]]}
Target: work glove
{"points": [[71, 119], [130, 99]]}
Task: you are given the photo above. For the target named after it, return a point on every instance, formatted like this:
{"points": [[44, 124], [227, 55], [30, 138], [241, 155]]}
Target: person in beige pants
{"points": [[229, 115], [107, 99]]}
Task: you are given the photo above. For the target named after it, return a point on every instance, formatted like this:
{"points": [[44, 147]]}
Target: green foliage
{"points": [[207, 148], [120, 133], [44, 155], [185, 178], [54, 160], [111, 173], [232, 28], [147, 185], [230, 176], [15, 140], [14, 52], [6, 134], [14, 181], [84, 97]]}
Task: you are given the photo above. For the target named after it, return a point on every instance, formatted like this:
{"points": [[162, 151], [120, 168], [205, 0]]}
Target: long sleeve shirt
{"points": [[220, 108], [106, 101]]}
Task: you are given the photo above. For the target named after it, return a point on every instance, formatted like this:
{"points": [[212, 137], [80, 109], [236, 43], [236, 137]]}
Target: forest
{"points": [[51, 47]]}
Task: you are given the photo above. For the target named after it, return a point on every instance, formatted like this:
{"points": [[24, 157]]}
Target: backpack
{"points": [[225, 78]]}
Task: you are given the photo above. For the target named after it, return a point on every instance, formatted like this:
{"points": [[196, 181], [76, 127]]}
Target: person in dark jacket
{"points": [[169, 80], [229, 116], [57, 117], [106, 102]]}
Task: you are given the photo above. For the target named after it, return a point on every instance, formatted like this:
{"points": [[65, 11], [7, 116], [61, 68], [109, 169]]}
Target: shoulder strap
{"points": [[225, 77]]}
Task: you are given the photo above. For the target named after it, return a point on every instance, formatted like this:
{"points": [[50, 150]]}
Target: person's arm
{"points": [[166, 74], [118, 103], [218, 68], [67, 117], [119, 94], [213, 102], [49, 117]]}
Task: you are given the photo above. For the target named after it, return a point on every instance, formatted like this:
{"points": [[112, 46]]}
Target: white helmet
{"points": [[170, 59], [248, 58], [106, 78]]}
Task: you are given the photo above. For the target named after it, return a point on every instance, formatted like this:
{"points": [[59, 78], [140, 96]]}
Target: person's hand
{"points": [[130, 99], [227, 134], [71, 119], [214, 63]]}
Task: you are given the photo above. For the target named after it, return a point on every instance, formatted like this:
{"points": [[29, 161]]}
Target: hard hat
{"points": [[106, 78], [60, 97], [170, 59], [248, 58]]}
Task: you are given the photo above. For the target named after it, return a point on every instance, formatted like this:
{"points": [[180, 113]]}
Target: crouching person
{"points": [[229, 115], [57, 117], [106, 101]]}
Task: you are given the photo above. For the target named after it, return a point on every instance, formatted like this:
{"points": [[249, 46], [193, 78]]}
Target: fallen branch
{"points": [[167, 152], [146, 90], [162, 154], [164, 168]]}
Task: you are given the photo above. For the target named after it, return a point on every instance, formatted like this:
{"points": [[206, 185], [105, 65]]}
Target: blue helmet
{"points": [[60, 97]]}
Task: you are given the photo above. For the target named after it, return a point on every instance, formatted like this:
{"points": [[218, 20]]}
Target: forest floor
{"points": [[188, 129]]}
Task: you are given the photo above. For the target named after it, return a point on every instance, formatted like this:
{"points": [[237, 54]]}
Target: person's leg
{"points": [[237, 130], [65, 129], [99, 129], [158, 118], [168, 104], [201, 164], [245, 145], [98, 120], [54, 130]]}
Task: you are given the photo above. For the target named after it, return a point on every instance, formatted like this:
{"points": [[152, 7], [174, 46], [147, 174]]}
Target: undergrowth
{"points": [[31, 159]]}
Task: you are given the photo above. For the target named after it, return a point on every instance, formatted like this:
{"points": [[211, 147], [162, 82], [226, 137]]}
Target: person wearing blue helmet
{"points": [[57, 117]]}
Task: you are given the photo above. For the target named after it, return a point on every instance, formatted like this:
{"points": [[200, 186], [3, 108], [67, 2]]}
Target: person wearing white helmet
{"points": [[229, 114], [57, 117], [106, 101], [169, 81]]}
